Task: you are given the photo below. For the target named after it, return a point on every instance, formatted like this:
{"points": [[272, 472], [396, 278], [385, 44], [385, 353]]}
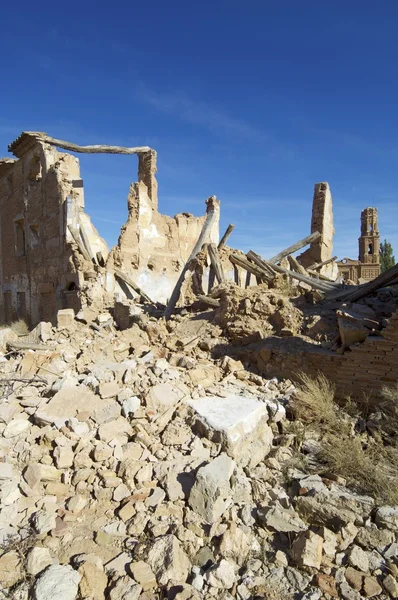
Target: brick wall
{"points": [[366, 368]]}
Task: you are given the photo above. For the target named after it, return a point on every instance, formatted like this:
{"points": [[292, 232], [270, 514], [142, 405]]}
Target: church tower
{"points": [[369, 242]]}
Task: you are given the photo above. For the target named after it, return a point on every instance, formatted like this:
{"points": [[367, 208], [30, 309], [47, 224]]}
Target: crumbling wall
{"points": [[153, 248], [322, 220], [41, 193], [364, 369]]}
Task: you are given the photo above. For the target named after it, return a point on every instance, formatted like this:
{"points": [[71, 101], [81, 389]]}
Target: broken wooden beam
{"points": [[320, 276], [226, 235], [96, 149], [213, 302], [14, 345], [321, 264], [250, 267], [256, 258], [297, 246], [322, 286], [216, 263], [126, 279], [372, 286], [295, 265], [211, 217]]}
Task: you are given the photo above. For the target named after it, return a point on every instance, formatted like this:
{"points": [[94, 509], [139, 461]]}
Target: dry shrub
{"points": [[367, 467], [364, 461], [314, 403], [19, 327]]}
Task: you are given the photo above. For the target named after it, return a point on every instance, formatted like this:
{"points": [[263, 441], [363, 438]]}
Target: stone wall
{"points": [[364, 369], [322, 220], [41, 193], [52, 257], [153, 248]]}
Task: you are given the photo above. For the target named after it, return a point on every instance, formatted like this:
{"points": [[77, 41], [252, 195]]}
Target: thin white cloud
{"points": [[200, 113]]}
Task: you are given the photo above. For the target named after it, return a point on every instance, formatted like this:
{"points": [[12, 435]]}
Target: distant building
{"points": [[367, 267]]}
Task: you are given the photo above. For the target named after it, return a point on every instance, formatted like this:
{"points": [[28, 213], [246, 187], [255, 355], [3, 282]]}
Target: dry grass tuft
{"points": [[314, 403], [19, 327], [365, 461]]}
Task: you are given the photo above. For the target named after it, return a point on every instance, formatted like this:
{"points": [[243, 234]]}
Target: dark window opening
{"points": [[370, 249], [20, 238], [34, 236], [35, 169], [71, 287], [21, 305]]}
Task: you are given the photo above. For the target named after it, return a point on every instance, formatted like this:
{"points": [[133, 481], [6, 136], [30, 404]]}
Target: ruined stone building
{"points": [[367, 267], [52, 257]]}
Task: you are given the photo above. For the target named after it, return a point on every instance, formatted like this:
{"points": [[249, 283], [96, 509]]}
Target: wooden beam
{"points": [[120, 275], [237, 277], [212, 214], [322, 286], [319, 276], [97, 149], [295, 265], [250, 267], [216, 263], [370, 287], [226, 235], [213, 302], [256, 258], [322, 264], [297, 246]]}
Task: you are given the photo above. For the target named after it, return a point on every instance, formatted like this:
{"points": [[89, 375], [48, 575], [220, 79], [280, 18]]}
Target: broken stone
{"points": [[239, 423], [16, 427], [354, 578], [387, 516], [43, 521], [63, 457], [168, 560], [371, 537], [163, 396], [307, 550], [77, 503], [10, 568], [371, 587], [391, 585], [93, 581], [57, 581], [351, 332], [280, 519], [37, 560], [211, 493], [358, 558], [66, 319], [235, 544], [221, 576], [143, 575]]}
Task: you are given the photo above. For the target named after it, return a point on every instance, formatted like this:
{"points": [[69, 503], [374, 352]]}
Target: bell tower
{"points": [[369, 242]]}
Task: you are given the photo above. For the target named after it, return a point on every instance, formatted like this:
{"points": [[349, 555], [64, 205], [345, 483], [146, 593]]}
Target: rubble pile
{"points": [[133, 466], [248, 315]]}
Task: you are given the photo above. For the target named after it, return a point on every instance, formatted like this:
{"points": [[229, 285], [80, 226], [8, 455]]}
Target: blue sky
{"points": [[253, 102]]}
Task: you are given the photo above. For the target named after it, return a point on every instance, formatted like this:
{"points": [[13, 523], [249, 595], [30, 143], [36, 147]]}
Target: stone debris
{"points": [[136, 475]]}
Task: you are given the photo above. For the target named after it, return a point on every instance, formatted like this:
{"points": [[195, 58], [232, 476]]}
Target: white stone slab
{"points": [[239, 423]]}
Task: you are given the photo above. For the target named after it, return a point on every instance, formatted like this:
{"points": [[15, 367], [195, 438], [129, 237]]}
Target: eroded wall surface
{"points": [[153, 248], [40, 194], [322, 220], [364, 369], [52, 257]]}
